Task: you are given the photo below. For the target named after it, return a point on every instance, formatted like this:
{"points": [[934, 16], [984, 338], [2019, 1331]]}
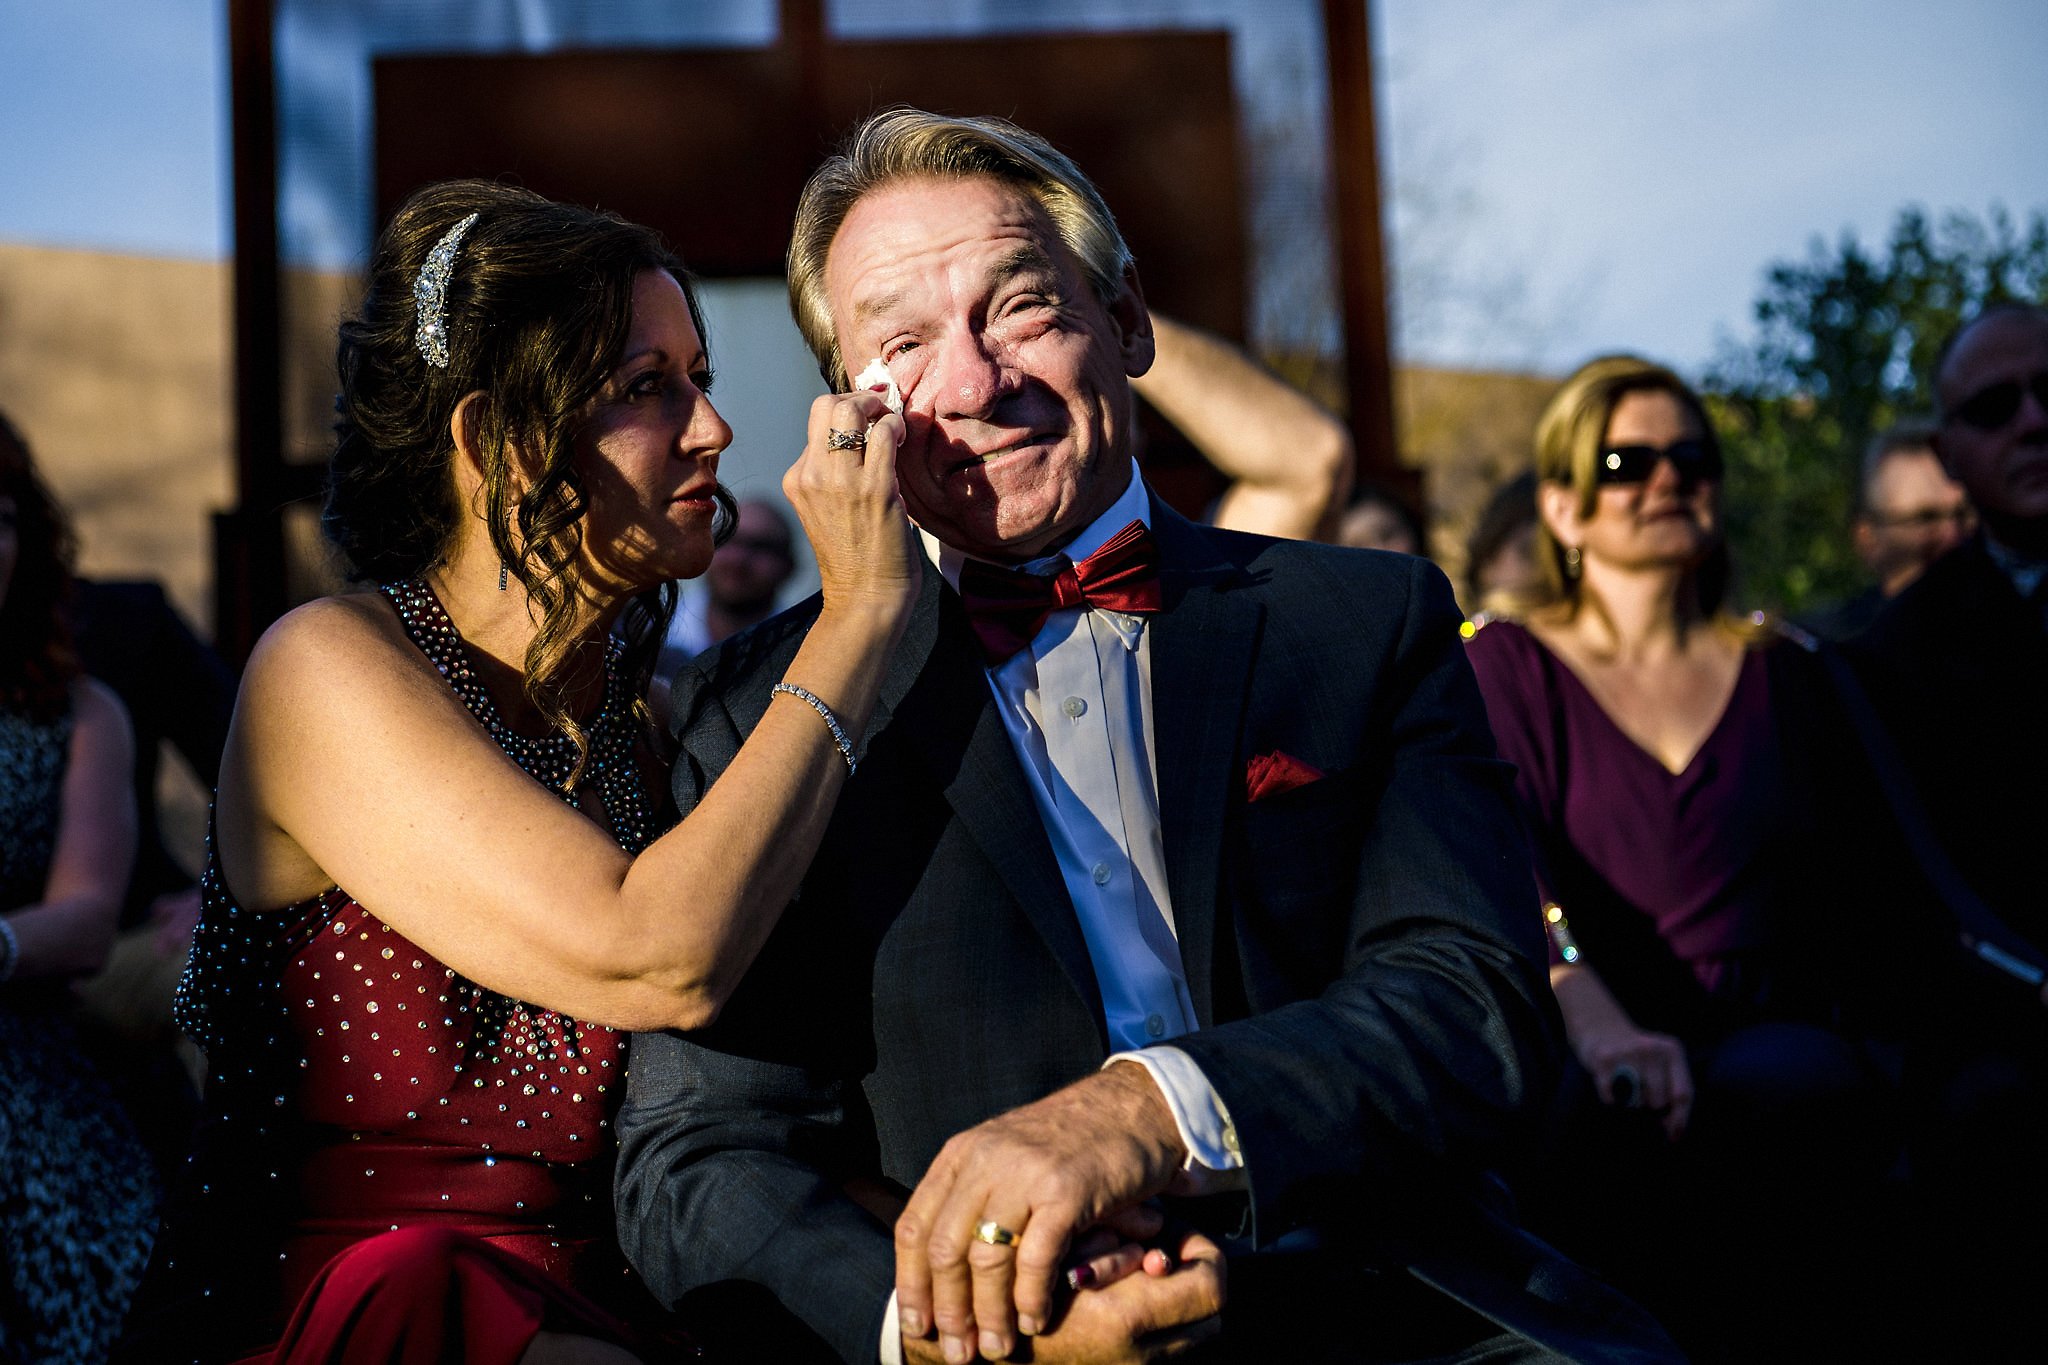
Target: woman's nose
{"points": [[708, 433]]}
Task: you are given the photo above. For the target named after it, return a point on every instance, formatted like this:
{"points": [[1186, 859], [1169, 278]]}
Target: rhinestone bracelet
{"points": [[825, 714]]}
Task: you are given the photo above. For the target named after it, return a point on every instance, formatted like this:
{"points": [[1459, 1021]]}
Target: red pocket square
{"points": [[1271, 774]]}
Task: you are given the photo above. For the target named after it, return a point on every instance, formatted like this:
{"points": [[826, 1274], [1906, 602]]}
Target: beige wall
{"points": [[116, 369], [1470, 431], [1467, 431]]}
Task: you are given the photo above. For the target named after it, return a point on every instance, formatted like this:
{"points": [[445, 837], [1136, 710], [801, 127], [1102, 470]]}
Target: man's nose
{"points": [[2033, 413], [972, 377]]}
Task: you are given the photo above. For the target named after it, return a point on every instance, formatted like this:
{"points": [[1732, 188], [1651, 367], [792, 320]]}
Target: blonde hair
{"points": [[1569, 438], [909, 144]]}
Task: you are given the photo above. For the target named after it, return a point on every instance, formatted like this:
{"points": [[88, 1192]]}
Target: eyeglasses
{"points": [[1695, 461], [761, 546], [1925, 519], [1991, 407]]}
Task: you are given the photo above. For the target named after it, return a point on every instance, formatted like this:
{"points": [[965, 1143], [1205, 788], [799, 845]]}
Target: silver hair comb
{"points": [[430, 295]]}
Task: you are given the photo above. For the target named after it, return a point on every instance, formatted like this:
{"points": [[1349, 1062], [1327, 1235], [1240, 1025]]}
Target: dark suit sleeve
{"points": [[730, 1161], [1439, 1039]]}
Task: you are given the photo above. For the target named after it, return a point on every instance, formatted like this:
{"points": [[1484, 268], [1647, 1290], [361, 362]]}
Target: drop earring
{"points": [[1572, 561], [505, 570]]}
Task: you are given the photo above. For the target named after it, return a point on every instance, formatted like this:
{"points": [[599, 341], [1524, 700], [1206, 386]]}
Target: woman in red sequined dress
{"points": [[440, 888]]}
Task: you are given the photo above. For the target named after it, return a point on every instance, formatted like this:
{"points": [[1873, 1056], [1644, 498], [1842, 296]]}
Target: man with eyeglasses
{"points": [[742, 588], [1909, 513], [1958, 670]]}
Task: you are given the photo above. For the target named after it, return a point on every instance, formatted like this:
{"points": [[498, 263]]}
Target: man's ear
{"points": [[1133, 323], [1938, 444]]}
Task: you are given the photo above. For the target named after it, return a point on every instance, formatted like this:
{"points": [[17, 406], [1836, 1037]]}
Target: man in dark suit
{"points": [[1959, 664], [1180, 865], [1957, 667]]}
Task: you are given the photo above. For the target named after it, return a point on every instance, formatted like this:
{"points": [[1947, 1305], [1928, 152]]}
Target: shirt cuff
{"points": [[1214, 1164], [891, 1348]]}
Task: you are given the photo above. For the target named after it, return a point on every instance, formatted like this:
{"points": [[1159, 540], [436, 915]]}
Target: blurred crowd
{"points": [[1786, 866]]}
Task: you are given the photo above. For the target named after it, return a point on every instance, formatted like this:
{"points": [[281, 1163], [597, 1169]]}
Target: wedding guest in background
{"points": [[738, 590], [1909, 513], [1377, 520], [1676, 787], [1957, 667], [1500, 554], [443, 872], [77, 1191]]}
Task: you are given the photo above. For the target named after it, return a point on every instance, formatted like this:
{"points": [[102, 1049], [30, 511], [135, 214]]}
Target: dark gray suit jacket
{"points": [[1363, 952]]}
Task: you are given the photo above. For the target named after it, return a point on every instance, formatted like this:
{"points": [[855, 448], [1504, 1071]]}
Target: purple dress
{"points": [[1679, 887]]}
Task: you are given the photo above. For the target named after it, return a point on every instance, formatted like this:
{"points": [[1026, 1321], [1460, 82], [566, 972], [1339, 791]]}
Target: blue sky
{"points": [[116, 123], [1568, 176]]}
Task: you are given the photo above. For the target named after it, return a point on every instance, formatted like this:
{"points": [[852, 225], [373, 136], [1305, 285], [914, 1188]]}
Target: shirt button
{"points": [[1155, 1026], [1101, 874], [1074, 707]]}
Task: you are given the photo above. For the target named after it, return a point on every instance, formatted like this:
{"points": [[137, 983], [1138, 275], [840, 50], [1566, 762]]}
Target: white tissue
{"points": [[877, 379]]}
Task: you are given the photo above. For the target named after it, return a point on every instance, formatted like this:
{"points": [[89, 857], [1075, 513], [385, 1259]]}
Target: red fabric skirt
{"points": [[431, 1296]]}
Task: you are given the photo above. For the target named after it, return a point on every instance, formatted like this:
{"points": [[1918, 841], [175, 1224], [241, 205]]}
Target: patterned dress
{"points": [[386, 1141], [77, 1191]]}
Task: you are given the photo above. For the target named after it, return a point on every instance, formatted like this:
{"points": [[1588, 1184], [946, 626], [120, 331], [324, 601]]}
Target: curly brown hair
{"points": [[37, 660], [537, 312]]}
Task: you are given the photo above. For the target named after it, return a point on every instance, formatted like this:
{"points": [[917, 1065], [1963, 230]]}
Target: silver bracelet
{"points": [[10, 951], [825, 714]]}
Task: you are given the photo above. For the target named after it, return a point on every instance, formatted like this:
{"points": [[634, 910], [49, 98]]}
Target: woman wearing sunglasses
{"points": [[1668, 774]]}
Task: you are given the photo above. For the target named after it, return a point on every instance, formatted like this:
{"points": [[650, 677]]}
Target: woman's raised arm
{"points": [[351, 763]]}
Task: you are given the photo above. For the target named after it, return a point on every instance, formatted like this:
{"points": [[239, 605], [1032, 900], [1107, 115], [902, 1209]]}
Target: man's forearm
{"points": [[709, 1191]]}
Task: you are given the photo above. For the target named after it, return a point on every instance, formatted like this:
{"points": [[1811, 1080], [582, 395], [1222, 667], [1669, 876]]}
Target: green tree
{"points": [[1844, 346]]}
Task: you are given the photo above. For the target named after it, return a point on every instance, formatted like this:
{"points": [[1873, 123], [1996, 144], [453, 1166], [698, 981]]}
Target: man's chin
{"points": [[1009, 533]]}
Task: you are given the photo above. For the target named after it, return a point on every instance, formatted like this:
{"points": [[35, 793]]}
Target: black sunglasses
{"points": [[1695, 461], [1990, 408]]}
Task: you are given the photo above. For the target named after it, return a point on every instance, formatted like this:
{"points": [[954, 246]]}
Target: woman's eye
{"points": [[703, 379], [645, 386], [899, 347]]}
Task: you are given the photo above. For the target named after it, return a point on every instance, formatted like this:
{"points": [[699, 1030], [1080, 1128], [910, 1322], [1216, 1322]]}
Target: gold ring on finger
{"points": [[994, 1233], [839, 439]]}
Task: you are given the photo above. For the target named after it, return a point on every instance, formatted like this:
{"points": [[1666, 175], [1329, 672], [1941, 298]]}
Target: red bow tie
{"points": [[1008, 608]]}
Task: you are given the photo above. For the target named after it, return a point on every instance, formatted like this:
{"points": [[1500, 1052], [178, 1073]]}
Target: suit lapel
{"points": [[1202, 648], [940, 708]]}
